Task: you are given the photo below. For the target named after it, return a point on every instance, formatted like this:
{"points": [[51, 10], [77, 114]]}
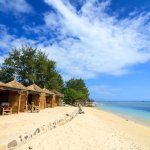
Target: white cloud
{"points": [[19, 6], [2, 59], [98, 43], [8, 41], [51, 19], [89, 42]]}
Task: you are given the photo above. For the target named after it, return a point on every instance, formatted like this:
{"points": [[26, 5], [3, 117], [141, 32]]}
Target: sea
{"points": [[137, 111]]}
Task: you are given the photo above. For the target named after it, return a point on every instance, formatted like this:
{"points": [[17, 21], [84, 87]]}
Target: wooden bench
{"points": [[35, 108], [48, 105], [6, 111]]}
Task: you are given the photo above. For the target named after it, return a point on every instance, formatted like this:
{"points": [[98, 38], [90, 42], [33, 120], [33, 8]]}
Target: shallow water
{"points": [[137, 111]]}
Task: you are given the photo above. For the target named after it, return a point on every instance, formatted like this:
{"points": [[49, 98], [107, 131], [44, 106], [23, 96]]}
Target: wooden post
{"points": [[53, 101], [59, 101], [39, 104], [32, 106], [26, 102], [45, 101], [19, 100]]}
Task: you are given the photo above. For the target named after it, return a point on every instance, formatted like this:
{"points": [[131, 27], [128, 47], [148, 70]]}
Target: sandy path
{"points": [[17, 124], [94, 130]]}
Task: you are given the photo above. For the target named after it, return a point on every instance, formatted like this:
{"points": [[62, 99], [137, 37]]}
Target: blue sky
{"points": [[105, 42]]}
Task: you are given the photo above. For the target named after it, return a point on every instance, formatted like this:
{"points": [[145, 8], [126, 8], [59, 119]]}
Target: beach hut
{"points": [[49, 98], [58, 99], [13, 95], [1, 83], [36, 97]]}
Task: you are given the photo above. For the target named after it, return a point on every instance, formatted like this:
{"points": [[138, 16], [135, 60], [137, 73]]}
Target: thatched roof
{"points": [[58, 93], [16, 85], [34, 88], [2, 84], [48, 91]]}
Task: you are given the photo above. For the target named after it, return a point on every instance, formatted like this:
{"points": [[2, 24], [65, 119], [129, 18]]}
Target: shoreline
{"points": [[123, 117], [127, 118], [95, 129]]}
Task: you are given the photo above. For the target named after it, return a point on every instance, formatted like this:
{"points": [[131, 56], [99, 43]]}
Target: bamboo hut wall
{"points": [[57, 101], [42, 100], [23, 101], [53, 101], [49, 100], [36, 99], [13, 99], [45, 102]]}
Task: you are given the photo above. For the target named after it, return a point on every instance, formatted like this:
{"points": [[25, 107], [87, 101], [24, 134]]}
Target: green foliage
{"points": [[72, 96], [78, 85], [31, 65], [75, 91], [55, 81]]}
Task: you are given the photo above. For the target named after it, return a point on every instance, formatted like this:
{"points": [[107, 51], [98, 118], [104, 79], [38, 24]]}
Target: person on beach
{"points": [[80, 109]]}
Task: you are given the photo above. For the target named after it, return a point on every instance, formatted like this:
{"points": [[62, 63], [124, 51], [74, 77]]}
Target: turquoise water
{"points": [[136, 111]]}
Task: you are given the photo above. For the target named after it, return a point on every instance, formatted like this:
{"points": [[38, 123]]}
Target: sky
{"points": [[105, 42]]}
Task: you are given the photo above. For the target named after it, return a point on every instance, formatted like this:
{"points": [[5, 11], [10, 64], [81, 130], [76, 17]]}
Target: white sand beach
{"points": [[16, 124], [94, 130]]}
